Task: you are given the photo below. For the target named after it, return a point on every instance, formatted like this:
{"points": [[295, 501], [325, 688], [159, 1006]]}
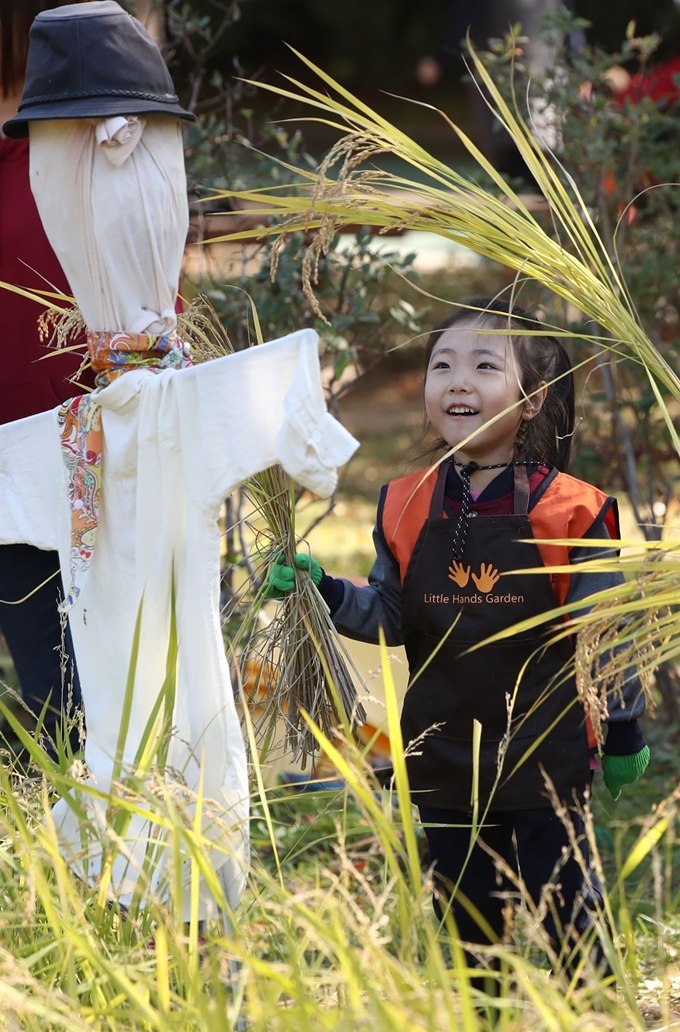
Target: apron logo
{"points": [[484, 581]]}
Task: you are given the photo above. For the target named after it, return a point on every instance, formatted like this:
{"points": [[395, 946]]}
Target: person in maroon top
{"points": [[28, 385]]}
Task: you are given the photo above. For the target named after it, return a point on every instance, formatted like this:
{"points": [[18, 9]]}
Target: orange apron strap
{"points": [[404, 511], [568, 509]]}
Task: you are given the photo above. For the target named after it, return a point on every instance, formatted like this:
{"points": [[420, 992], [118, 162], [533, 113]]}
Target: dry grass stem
{"points": [[612, 649]]}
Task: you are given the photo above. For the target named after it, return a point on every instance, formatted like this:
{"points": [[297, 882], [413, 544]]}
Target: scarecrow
{"points": [[127, 482]]}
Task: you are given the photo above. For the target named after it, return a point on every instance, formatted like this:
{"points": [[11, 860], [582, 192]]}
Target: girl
{"points": [[447, 541]]}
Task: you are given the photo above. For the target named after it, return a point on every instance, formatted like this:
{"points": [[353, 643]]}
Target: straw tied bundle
{"points": [[295, 664], [572, 262]]}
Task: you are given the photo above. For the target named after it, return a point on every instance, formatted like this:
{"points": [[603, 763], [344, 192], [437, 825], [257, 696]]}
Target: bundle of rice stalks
{"points": [[312, 668], [573, 262], [294, 663]]}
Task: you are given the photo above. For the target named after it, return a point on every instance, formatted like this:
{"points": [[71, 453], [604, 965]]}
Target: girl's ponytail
{"points": [[548, 435]]}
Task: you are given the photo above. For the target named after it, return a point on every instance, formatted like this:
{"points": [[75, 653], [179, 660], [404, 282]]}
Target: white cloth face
{"points": [[118, 228]]}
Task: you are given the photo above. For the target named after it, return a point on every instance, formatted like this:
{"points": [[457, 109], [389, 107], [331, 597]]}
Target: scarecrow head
{"points": [[106, 161]]}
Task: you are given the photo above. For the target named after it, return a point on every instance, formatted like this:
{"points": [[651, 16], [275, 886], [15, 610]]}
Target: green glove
{"points": [[281, 579], [304, 561], [623, 770]]}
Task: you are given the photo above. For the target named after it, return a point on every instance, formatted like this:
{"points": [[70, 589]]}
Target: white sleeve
{"points": [[30, 481], [245, 412]]}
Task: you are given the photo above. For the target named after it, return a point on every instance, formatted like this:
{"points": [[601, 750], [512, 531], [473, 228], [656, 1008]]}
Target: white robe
{"points": [[175, 444]]}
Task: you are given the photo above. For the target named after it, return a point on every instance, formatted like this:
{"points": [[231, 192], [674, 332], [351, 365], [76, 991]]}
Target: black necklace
{"points": [[466, 470]]}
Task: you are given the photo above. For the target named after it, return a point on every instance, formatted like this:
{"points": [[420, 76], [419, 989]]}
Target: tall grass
{"points": [[337, 933]]}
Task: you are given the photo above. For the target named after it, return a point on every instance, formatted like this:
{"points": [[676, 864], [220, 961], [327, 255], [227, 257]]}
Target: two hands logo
{"points": [[484, 581]]}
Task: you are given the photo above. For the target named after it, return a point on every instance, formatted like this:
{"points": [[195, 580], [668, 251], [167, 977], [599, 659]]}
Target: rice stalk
{"points": [[574, 264], [309, 668]]}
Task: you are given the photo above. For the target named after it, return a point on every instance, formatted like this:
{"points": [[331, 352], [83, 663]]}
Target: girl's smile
{"points": [[471, 381]]}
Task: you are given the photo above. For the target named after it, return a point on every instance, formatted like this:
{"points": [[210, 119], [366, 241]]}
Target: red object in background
{"points": [[657, 84], [27, 385], [609, 188]]}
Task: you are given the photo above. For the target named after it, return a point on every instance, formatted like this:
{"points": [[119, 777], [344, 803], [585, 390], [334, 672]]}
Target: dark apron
{"points": [[457, 686]]}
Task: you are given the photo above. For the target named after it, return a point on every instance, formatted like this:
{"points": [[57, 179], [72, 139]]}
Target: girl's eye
{"points": [[486, 365], [441, 364]]}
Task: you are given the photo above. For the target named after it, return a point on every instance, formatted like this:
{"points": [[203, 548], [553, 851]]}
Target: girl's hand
{"points": [[624, 770], [281, 579]]}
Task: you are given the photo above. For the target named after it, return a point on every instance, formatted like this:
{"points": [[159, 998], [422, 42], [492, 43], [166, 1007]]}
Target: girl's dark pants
{"points": [[531, 842], [33, 634]]}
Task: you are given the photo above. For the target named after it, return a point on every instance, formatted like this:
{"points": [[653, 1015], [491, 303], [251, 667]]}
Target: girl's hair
{"points": [[16, 17], [541, 359]]}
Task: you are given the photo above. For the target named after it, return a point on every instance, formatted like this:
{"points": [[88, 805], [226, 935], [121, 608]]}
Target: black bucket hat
{"points": [[92, 60]]}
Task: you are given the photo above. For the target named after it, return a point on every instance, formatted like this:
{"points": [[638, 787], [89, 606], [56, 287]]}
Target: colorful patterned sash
{"points": [[80, 422]]}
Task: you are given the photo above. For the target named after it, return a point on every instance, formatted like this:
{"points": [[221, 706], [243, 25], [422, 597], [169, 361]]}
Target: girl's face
{"points": [[471, 378]]}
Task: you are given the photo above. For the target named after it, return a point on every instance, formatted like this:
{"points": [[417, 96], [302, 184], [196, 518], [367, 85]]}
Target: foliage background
{"points": [[332, 934], [378, 46]]}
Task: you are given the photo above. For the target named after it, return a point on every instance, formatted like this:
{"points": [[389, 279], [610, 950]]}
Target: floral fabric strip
{"points": [[80, 423]]}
